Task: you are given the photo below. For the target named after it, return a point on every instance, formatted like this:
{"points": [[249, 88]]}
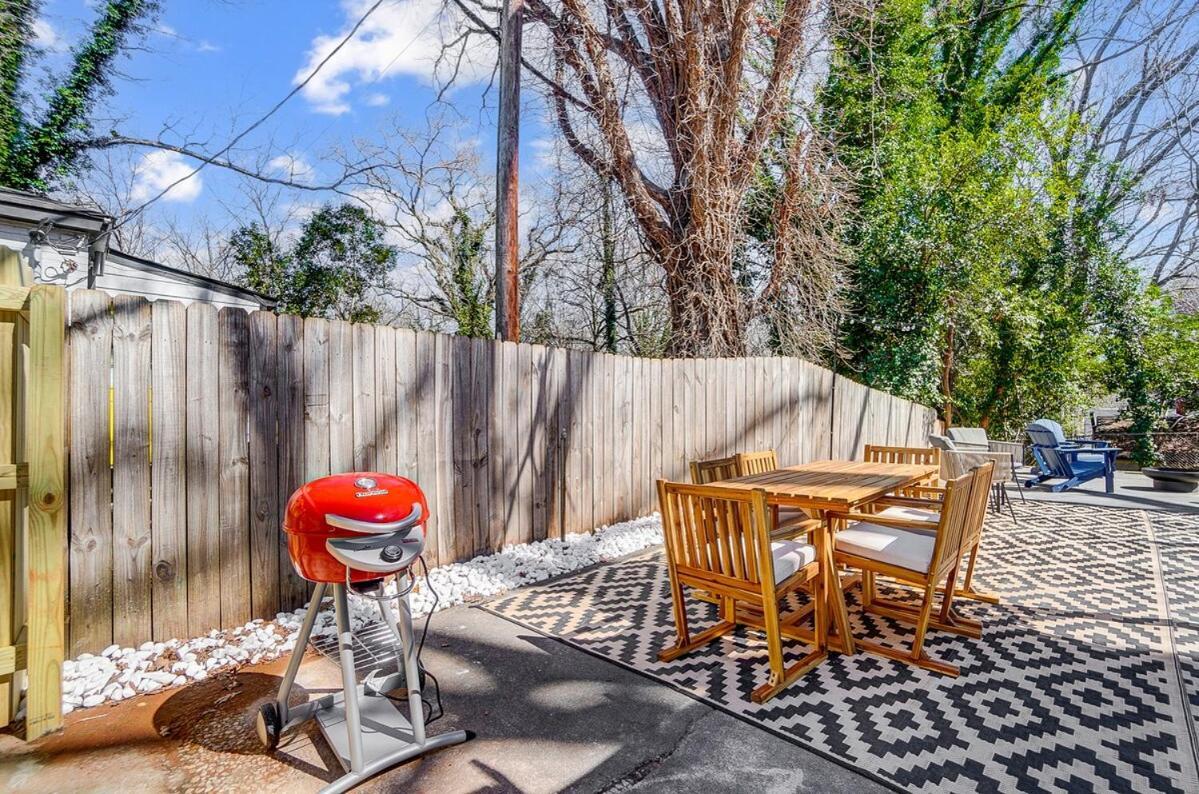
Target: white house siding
{"points": [[124, 277], [63, 259]]}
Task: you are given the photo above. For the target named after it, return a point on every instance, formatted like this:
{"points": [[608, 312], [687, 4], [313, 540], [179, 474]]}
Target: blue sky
{"points": [[213, 67]]}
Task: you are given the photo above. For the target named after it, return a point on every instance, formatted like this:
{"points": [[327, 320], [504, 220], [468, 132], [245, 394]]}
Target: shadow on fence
{"points": [[192, 426]]}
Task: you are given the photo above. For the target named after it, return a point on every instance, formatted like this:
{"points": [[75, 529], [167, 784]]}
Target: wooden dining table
{"points": [[832, 485]]}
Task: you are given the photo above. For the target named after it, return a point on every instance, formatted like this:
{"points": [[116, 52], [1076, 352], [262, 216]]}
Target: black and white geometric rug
{"points": [[1086, 678]]}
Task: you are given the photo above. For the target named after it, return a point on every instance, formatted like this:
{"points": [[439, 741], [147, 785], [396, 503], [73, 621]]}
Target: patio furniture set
{"points": [[748, 536], [750, 540]]}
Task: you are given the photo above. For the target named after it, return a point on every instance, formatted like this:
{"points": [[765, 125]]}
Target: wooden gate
{"points": [[33, 517]]}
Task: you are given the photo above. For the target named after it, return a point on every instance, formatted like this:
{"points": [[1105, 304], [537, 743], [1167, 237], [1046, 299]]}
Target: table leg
{"points": [[832, 587]]}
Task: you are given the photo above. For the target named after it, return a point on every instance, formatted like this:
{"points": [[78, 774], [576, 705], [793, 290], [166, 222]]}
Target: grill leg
{"points": [[349, 682], [406, 657], [412, 671], [297, 653]]}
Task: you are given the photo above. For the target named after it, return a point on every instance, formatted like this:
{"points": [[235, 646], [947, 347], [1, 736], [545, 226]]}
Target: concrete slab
{"points": [[547, 718], [1133, 490]]}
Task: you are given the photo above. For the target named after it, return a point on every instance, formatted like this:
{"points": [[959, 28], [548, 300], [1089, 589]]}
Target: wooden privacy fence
{"points": [[215, 417], [33, 515]]}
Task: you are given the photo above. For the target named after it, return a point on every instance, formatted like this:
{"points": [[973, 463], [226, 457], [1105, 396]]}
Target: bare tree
{"points": [[202, 244], [678, 104], [1137, 91], [602, 290], [430, 191], [109, 184]]}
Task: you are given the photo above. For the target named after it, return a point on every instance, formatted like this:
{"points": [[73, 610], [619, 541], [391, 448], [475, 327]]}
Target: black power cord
{"points": [[431, 717]]}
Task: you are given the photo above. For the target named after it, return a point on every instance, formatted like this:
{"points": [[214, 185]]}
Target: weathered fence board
{"points": [[233, 465], [175, 525], [264, 464], [168, 474], [131, 550], [201, 438], [90, 552], [292, 435]]}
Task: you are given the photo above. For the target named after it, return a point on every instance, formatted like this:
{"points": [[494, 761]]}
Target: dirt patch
{"points": [[197, 738]]}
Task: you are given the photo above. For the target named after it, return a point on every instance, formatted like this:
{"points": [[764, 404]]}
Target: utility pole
{"points": [[507, 198]]}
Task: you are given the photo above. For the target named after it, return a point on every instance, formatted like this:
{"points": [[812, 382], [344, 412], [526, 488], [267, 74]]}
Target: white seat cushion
{"points": [[790, 556], [911, 550], [914, 514]]}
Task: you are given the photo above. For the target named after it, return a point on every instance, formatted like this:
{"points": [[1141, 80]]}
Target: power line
{"points": [[210, 158]]}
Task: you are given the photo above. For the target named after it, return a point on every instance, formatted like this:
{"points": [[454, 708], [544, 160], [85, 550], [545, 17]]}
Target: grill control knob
{"points": [[391, 553]]}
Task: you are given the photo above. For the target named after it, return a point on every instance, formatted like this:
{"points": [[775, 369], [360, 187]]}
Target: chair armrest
{"points": [[931, 492], [886, 521], [1090, 450], [907, 501]]}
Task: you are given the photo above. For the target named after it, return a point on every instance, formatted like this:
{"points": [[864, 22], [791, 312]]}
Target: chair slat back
{"points": [[927, 456], [977, 515], [718, 532], [1046, 449], [757, 462], [1042, 436], [1055, 434], [955, 516], [713, 470], [922, 456]]}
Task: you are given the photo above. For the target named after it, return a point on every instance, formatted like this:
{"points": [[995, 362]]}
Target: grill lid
{"points": [[355, 504]]}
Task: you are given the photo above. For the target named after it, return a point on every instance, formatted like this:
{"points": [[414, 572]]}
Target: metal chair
{"points": [[955, 462]]}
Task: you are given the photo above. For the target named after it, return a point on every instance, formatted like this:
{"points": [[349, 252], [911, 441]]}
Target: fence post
{"points": [[46, 436], [33, 529]]}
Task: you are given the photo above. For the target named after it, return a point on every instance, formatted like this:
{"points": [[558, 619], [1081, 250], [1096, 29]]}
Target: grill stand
{"points": [[365, 728]]}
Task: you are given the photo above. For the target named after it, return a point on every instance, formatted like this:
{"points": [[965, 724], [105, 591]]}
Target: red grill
{"points": [[343, 530], [370, 522]]}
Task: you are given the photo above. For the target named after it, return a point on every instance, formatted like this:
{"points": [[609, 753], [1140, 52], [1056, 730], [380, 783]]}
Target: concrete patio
{"points": [[547, 718], [1133, 490]]}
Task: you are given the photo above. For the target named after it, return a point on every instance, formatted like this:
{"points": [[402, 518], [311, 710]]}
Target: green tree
{"points": [[1171, 345], [332, 270], [466, 290], [943, 112], [39, 148]]}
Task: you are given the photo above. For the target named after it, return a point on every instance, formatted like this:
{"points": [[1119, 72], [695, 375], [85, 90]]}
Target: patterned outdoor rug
{"points": [[1087, 676]]}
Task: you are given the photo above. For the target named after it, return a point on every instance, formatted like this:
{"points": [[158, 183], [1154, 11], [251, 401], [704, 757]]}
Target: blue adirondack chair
{"points": [[1074, 461]]}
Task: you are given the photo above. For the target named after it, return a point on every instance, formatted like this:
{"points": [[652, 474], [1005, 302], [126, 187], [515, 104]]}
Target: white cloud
{"points": [[292, 166], [398, 39], [159, 169], [378, 100], [46, 37], [204, 45]]}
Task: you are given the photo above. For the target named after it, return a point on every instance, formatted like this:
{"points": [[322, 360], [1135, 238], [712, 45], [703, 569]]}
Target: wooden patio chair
{"points": [[929, 510], [718, 541], [896, 548], [925, 489], [788, 522], [758, 462]]}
